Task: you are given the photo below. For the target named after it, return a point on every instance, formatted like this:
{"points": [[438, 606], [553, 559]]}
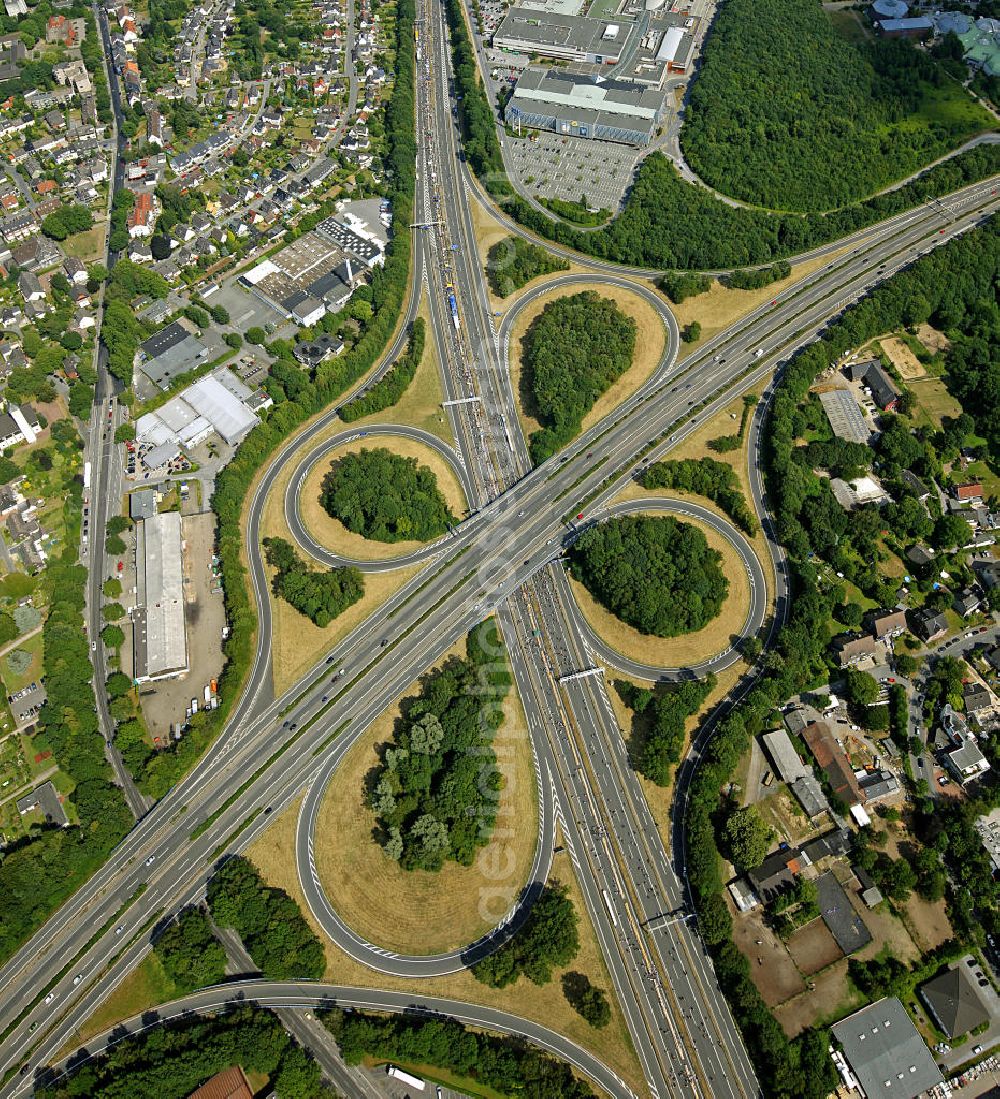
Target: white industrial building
{"points": [[159, 639], [219, 403]]}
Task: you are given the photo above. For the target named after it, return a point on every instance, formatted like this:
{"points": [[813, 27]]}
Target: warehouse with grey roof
{"points": [[159, 637], [581, 105]]}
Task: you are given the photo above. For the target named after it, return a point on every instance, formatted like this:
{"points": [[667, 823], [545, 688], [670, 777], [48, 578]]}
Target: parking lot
{"points": [[245, 310], [572, 168]]}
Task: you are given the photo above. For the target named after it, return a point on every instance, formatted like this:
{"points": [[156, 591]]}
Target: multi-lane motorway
{"points": [[504, 557]]}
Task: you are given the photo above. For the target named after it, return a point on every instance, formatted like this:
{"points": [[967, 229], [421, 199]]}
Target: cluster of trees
{"points": [[889, 976], [66, 221], [658, 739], [437, 787], [547, 939], [274, 931], [973, 368], [759, 277], [513, 262], [794, 908], [321, 596], [586, 999], [121, 330], [286, 31], [725, 444], [508, 1065], [386, 497], [794, 129], [655, 573], [681, 285], [747, 838], [575, 349], [120, 209], [707, 477], [330, 380], [67, 726], [669, 224], [191, 956], [393, 384], [175, 1059]]}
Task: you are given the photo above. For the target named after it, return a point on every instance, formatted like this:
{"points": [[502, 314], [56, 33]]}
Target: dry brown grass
{"points": [[274, 855], [421, 912], [696, 446], [719, 307], [932, 339], [420, 405], [691, 648], [334, 536], [649, 343], [296, 644], [902, 358]]}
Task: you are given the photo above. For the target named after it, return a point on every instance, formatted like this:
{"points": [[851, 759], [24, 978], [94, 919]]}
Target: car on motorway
{"points": [[119, 929], [77, 979], [51, 996], [150, 860]]}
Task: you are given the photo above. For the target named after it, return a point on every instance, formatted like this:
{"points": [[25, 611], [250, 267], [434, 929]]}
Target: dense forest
{"points": [[191, 956], [320, 595], [655, 573], [173, 1060], [273, 930], [707, 477], [436, 788], [507, 1065], [386, 497], [573, 352], [513, 262], [548, 938], [393, 384], [669, 224], [786, 113]]}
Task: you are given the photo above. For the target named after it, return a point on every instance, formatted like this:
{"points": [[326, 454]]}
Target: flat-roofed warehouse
{"points": [[586, 106], [159, 638], [568, 37]]}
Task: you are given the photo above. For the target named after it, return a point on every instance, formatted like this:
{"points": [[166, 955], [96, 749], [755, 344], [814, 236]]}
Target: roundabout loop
{"points": [[309, 460], [414, 965], [756, 612]]}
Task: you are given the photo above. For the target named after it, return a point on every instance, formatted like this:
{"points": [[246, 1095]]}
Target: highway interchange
{"points": [[505, 557]]}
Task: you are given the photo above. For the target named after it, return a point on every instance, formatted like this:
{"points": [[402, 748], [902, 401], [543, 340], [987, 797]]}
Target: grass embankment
{"points": [[296, 644], [274, 854], [418, 912]]}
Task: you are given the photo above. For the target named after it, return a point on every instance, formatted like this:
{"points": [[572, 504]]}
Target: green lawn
{"points": [[87, 246], [13, 682], [933, 401], [847, 24]]}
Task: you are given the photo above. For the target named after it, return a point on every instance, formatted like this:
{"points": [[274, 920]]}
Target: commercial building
{"points": [[831, 759], [843, 923], [783, 755], [586, 106], [167, 354], [218, 403], [955, 999], [882, 1051], [158, 629], [566, 37]]}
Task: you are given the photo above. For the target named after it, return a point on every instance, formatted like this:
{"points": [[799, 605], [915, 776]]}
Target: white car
{"points": [[119, 929], [150, 860], [51, 996], [77, 979]]}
